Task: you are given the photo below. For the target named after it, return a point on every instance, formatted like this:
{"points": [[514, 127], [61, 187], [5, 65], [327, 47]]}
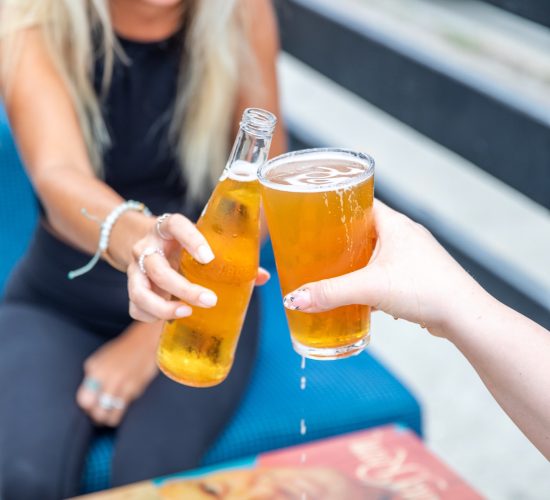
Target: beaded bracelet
{"points": [[105, 233]]}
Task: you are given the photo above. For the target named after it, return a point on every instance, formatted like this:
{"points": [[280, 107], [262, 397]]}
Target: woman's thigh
{"points": [[170, 428], [43, 434]]}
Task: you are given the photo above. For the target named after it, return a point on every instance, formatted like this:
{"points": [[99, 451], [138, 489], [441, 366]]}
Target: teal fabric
{"points": [[339, 397], [97, 467], [18, 208]]}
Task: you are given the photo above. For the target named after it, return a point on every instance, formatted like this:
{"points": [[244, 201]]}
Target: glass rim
{"points": [[348, 155]]}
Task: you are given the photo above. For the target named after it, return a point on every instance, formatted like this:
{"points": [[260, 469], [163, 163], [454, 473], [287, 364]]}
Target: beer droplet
{"points": [[303, 383], [303, 365], [303, 458], [303, 428]]}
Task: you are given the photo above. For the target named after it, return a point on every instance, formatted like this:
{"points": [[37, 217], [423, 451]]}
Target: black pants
{"points": [[48, 327]]}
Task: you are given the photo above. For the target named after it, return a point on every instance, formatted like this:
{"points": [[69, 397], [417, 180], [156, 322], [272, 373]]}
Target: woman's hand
{"points": [[159, 251], [118, 373], [150, 292], [409, 276]]}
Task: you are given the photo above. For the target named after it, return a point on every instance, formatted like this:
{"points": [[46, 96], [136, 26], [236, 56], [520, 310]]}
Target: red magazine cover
{"points": [[382, 463]]}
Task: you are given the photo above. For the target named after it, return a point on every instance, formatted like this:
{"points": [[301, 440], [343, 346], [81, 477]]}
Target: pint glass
{"points": [[318, 205]]}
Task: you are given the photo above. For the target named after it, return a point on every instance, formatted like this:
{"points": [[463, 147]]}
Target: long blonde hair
{"points": [[202, 118]]}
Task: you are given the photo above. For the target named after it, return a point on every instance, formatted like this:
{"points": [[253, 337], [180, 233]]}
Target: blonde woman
{"points": [[112, 101]]}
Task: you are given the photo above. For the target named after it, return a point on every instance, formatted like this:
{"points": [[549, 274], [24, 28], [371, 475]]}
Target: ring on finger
{"points": [[109, 402], [146, 253], [92, 384], [160, 220]]}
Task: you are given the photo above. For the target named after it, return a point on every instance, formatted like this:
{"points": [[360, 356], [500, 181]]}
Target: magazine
{"points": [[388, 463]]}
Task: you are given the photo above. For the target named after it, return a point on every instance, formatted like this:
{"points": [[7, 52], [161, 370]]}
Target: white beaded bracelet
{"points": [[105, 233]]}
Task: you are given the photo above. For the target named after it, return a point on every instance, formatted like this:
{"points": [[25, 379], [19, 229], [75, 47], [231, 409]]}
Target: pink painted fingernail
{"points": [[208, 299], [204, 254], [183, 311], [298, 300]]}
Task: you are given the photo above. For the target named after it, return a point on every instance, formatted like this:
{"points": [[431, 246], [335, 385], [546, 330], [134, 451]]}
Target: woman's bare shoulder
{"points": [[24, 56], [35, 93], [262, 26]]}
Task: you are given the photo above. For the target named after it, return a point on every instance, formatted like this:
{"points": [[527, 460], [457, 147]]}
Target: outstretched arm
{"points": [[411, 276]]}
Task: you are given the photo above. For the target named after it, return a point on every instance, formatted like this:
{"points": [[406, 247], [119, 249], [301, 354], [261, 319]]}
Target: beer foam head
{"points": [[316, 170], [327, 174]]}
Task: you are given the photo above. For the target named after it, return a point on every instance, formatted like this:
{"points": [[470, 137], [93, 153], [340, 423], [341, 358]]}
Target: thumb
{"points": [[358, 287]]}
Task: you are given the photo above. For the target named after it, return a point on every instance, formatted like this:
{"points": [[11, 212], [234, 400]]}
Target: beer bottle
{"points": [[198, 350]]}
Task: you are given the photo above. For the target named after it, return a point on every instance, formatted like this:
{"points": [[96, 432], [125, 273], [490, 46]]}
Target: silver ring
{"points": [[92, 384], [160, 220], [109, 402], [146, 253]]}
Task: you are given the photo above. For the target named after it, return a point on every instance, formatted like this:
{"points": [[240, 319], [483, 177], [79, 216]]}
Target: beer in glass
{"points": [[318, 205]]}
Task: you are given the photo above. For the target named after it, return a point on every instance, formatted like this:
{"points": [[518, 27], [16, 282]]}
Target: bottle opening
{"points": [[258, 121]]}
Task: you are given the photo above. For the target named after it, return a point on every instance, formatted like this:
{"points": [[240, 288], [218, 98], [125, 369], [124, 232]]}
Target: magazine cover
{"points": [[386, 463]]}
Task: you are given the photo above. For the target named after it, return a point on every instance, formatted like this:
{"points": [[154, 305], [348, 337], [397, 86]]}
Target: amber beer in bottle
{"points": [[318, 205], [198, 351]]}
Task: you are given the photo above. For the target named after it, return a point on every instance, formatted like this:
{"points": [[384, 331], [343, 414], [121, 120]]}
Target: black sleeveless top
{"points": [[141, 162]]}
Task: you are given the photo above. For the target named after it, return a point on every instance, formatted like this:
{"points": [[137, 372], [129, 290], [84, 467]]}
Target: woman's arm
{"points": [[411, 276], [52, 146], [511, 354]]}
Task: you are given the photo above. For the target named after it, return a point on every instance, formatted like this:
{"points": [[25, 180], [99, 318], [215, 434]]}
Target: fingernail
{"points": [[298, 300], [183, 311], [208, 299], [204, 254]]}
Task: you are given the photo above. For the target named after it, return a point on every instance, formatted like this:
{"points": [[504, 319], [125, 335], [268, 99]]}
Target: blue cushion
{"points": [[18, 208], [96, 475]]}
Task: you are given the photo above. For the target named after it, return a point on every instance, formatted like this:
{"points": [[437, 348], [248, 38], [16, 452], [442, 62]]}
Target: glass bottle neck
{"points": [[251, 147], [249, 154]]}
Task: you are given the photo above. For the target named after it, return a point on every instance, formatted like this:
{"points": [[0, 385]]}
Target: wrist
{"points": [[144, 334], [131, 227], [469, 306]]}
